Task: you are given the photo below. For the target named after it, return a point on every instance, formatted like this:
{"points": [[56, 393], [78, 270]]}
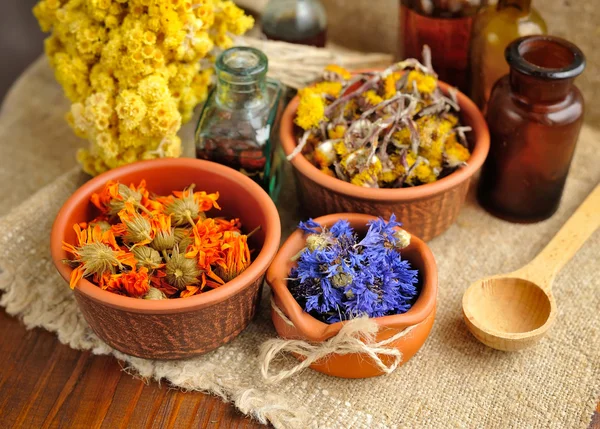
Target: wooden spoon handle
{"points": [[580, 226]]}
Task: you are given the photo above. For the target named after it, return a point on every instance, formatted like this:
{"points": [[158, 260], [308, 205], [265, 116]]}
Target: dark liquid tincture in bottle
{"points": [[445, 26], [239, 118], [295, 21], [534, 114]]}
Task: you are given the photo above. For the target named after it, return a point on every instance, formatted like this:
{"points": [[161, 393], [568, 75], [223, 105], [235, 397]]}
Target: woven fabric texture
{"points": [[453, 381]]}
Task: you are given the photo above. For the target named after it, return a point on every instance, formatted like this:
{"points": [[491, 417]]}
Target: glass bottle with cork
{"points": [[295, 21], [444, 25], [494, 28], [238, 120], [534, 115]]}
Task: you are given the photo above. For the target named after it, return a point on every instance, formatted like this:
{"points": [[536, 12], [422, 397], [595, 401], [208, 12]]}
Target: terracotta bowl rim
{"points": [[318, 331], [307, 169], [256, 269]]}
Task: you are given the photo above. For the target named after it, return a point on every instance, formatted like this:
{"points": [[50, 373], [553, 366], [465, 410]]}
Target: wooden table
{"points": [[44, 384]]}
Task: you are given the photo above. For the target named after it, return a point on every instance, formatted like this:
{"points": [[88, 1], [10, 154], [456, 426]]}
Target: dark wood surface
{"points": [[44, 384]]}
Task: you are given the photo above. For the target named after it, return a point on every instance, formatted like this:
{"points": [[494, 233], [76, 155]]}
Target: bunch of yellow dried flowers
{"points": [[133, 70], [386, 129], [157, 247]]}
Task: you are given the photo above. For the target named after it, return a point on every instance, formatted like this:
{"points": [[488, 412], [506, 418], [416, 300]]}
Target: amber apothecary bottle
{"points": [[445, 26], [493, 30], [534, 114]]}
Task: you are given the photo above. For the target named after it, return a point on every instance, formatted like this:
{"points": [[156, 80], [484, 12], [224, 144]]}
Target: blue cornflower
{"points": [[310, 227], [381, 233], [338, 277]]}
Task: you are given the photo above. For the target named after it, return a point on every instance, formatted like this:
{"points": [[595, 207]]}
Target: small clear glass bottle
{"points": [[238, 120], [295, 21], [534, 115]]}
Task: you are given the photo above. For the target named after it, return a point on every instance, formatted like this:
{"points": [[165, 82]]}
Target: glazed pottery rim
{"points": [[307, 169], [256, 269], [318, 331]]}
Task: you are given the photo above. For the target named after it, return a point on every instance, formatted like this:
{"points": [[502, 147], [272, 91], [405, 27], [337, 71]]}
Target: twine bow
{"points": [[356, 336]]}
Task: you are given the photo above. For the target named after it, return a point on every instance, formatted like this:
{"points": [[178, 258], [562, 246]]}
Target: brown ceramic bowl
{"points": [[183, 327], [306, 327], [426, 210]]}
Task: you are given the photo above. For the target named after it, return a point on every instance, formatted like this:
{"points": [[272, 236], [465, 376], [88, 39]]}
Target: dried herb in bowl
{"points": [[339, 276], [157, 247], [388, 129]]}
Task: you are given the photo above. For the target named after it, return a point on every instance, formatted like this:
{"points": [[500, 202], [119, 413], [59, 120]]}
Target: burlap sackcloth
{"points": [[454, 381]]}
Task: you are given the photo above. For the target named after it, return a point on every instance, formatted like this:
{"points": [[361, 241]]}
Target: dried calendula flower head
{"points": [[134, 228], [237, 255], [164, 235], [184, 237], [147, 257], [104, 225], [97, 253], [154, 294], [181, 233], [189, 206], [181, 271], [114, 197], [125, 195]]}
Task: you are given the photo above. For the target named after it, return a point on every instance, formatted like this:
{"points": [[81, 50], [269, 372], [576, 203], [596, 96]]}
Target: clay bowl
{"points": [[307, 328], [426, 210], [184, 327]]}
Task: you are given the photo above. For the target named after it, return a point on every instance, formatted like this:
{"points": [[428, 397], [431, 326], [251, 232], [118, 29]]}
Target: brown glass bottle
{"points": [[494, 28], [534, 114], [445, 26]]}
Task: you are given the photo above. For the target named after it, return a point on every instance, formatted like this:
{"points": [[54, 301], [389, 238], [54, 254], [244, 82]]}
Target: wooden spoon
{"points": [[513, 311]]}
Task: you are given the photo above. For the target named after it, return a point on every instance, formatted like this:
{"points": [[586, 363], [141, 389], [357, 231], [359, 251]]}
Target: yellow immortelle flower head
{"points": [[144, 56], [338, 70], [426, 83], [372, 98], [311, 109]]}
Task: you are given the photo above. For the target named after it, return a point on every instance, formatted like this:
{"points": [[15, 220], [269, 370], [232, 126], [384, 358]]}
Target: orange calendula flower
{"points": [[134, 228], [151, 247], [133, 283], [237, 255], [113, 197], [206, 248], [188, 206], [96, 253], [190, 291], [164, 234], [228, 225]]}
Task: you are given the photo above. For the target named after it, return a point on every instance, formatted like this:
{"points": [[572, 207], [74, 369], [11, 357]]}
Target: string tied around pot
{"points": [[356, 336]]}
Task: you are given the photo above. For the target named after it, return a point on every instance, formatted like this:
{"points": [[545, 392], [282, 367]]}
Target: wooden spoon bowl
{"points": [[513, 311], [508, 307]]}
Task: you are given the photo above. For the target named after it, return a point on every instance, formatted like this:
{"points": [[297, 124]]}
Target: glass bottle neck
{"points": [[543, 68], [539, 90], [522, 5], [238, 96], [241, 78]]}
